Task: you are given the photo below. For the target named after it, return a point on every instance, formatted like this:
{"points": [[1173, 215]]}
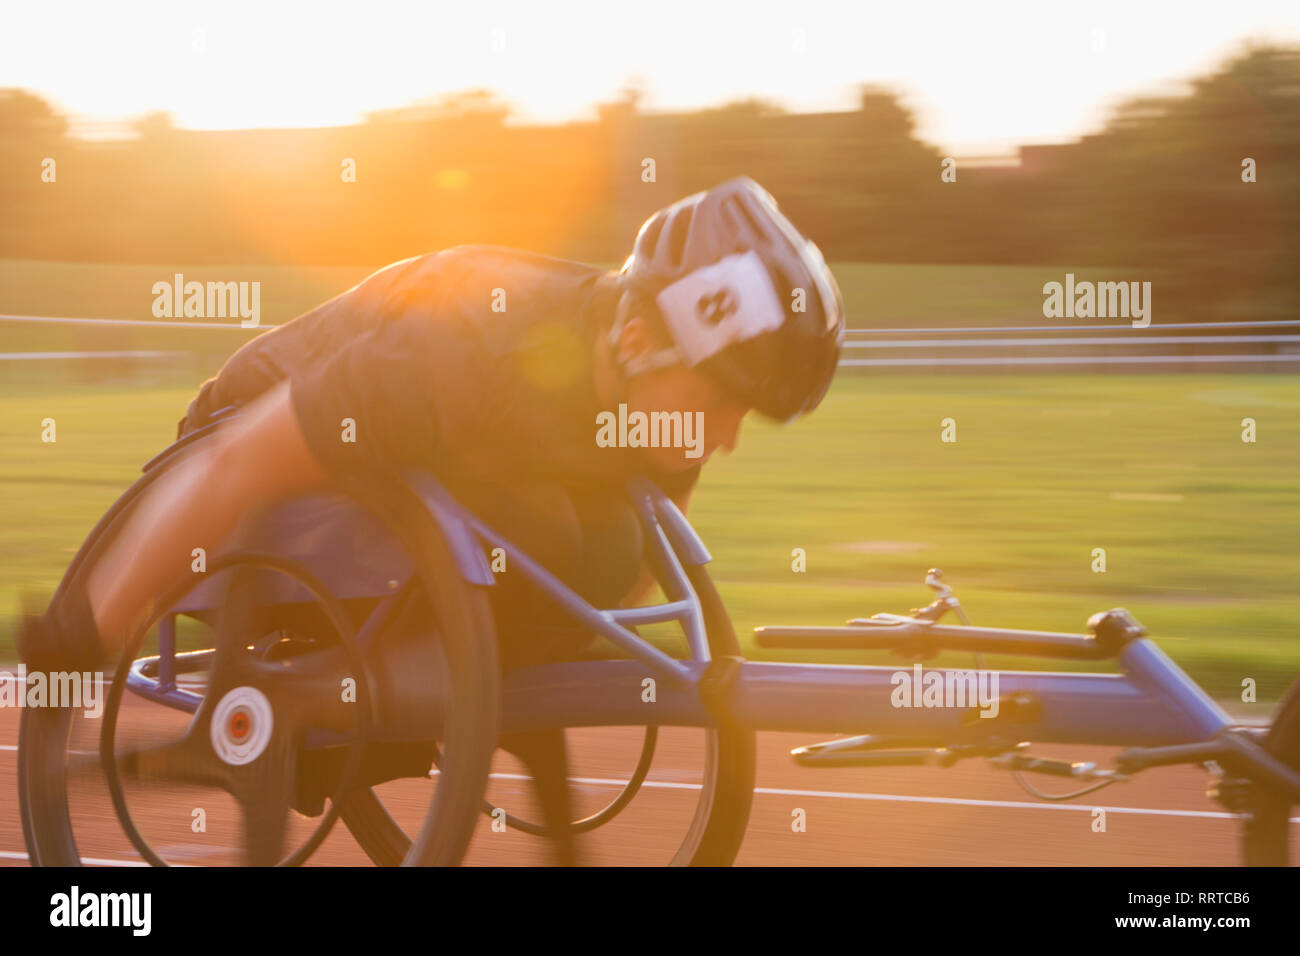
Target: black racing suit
{"points": [[476, 363]]}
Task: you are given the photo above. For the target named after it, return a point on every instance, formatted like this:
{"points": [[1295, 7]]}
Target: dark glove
{"points": [[64, 638]]}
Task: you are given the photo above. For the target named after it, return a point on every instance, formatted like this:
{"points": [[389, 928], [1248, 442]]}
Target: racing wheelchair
{"points": [[346, 643]]}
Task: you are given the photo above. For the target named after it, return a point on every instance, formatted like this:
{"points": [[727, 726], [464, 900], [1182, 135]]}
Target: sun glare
{"points": [[1059, 68]]}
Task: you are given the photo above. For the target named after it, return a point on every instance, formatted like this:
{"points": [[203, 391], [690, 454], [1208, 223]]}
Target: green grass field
{"points": [[1200, 529]]}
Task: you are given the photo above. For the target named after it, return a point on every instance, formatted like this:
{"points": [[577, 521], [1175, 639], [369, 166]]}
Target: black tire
{"points": [[726, 817], [468, 648], [467, 636], [721, 815], [1266, 832], [42, 790], [43, 733]]}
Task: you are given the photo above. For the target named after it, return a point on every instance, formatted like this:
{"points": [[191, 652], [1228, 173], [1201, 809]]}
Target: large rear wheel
{"points": [[452, 700], [723, 789], [1266, 832]]}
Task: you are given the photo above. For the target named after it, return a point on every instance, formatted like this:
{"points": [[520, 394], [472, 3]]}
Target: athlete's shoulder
{"points": [[474, 262], [476, 271]]}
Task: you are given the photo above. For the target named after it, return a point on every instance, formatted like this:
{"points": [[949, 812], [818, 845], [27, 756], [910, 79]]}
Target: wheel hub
{"points": [[241, 725]]}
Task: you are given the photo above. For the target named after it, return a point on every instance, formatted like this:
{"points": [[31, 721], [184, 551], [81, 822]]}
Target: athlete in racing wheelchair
{"points": [[489, 368]]}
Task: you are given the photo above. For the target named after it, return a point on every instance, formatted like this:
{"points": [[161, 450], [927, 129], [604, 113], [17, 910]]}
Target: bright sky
{"points": [[982, 76]]}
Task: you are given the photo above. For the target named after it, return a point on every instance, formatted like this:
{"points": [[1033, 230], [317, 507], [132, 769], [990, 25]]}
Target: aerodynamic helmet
{"points": [[746, 298]]}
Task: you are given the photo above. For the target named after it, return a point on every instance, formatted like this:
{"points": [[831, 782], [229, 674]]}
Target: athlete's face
{"points": [[710, 417]]}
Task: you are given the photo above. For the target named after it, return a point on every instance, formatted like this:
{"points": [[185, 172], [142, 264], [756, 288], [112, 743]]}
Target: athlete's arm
{"points": [[248, 462]]}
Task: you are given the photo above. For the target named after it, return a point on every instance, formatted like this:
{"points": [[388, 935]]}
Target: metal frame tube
{"points": [[1155, 704], [1104, 709]]}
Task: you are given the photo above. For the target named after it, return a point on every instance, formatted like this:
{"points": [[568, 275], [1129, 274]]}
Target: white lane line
{"points": [[886, 797], [91, 860], [1001, 804], [780, 792], [901, 798]]}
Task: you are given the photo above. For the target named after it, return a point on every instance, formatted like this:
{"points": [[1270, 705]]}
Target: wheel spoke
{"points": [[264, 790], [241, 627], [188, 760], [312, 691]]}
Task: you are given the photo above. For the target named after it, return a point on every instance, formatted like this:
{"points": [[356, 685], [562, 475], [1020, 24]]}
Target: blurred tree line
{"points": [[1157, 194]]}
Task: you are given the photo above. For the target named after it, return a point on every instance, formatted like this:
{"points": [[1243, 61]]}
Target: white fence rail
{"points": [[1175, 345]]}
